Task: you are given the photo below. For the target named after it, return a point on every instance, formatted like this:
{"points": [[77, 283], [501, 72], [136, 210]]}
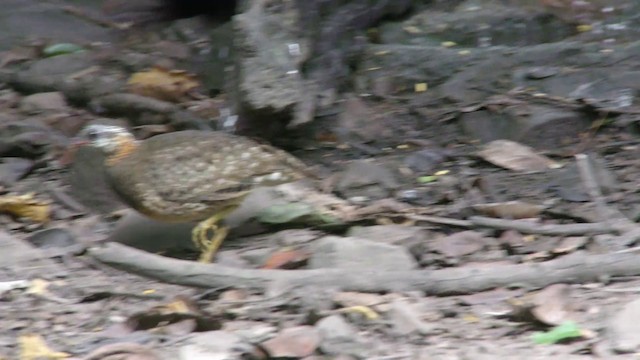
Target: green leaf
{"points": [[285, 213], [566, 330], [61, 49], [427, 179]]}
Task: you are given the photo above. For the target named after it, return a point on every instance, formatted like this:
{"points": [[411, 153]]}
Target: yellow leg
{"points": [[209, 251], [209, 246]]}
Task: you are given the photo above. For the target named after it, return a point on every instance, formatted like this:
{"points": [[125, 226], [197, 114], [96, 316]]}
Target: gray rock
{"points": [[624, 328], [356, 253], [340, 338], [16, 252], [43, 20], [366, 179], [272, 47], [335, 326], [390, 234], [48, 74], [406, 319], [214, 345], [252, 331], [532, 125], [43, 102], [13, 169]]}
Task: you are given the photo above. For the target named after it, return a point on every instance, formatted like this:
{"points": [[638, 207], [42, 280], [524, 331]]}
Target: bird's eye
{"points": [[92, 135]]}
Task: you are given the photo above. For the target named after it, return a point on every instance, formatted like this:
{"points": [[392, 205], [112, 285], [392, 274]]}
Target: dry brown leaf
{"points": [[509, 210], [514, 156], [287, 259], [163, 84], [25, 206], [178, 310], [377, 302], [570, 244], [552, 305], [179, 305], [33, 347]]}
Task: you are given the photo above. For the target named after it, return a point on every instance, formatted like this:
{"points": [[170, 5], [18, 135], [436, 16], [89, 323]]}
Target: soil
{"points": [[428, 91]]}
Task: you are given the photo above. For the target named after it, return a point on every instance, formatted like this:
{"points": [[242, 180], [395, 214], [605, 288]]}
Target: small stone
{"points": [[295, 342], [389, 234], [335, 326], [252, 331], [214, 345], [624, 328], [340, 338], [356, 253], [13, 169], [366, 179], [406, 319], [43, 102]]}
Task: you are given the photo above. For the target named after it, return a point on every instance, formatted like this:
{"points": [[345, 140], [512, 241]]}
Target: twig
{"points": [[440, 220], [83, 14], [543, 229]]}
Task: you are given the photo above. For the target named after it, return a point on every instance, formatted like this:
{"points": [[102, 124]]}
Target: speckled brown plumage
{"points": [[189, 175]]}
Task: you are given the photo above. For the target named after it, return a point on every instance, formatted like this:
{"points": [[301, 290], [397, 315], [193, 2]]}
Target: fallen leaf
{"points": [[551, 305], [349, 299], [61, 49], [567, 330], [176, 311], [40, 288], [570, 244], [25, 206], [285, 213], [33, 347], [163, 84], [514, 156], [286, 259], [510, 210], [368, 313], [295, 212], [420, 87]]}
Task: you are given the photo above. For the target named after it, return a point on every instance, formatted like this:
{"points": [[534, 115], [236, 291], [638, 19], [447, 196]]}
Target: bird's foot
{"points": [[210, 249], [209, 245]]}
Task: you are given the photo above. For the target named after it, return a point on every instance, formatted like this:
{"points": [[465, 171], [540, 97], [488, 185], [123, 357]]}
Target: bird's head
{"points": [[114, 141]]}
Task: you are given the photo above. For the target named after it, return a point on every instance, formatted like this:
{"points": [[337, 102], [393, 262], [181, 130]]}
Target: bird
{"points": [[189, 175]]}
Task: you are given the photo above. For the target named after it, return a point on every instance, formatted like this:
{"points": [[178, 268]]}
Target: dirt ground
{"points": [[428, 237]]}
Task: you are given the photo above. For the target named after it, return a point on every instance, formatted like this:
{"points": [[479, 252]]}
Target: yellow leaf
{"points": [[38, 287], [412, 29], [584, 28], [25, 206], [369, 313], [420, 87], [163, 84], [33, 347]]}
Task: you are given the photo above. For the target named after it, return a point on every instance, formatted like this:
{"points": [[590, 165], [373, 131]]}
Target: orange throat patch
{"points": [[124, 147]]}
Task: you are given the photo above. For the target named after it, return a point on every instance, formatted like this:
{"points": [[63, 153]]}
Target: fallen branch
{"points": [[574, 268]]}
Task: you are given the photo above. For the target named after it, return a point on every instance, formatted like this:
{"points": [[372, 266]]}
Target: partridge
{"points": [[190, 175]]}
